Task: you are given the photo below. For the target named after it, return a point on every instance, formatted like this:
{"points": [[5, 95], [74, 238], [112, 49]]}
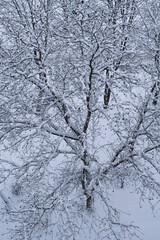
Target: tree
{"points": [[151, 44], [80, 115]]}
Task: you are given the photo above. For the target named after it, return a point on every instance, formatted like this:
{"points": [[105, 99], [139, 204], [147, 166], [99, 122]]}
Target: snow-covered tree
{"points": [[79, 93]]}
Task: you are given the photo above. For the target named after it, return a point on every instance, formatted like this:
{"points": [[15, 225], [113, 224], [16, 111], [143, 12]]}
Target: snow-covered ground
{"points": [[141, 216], [128, 202]]}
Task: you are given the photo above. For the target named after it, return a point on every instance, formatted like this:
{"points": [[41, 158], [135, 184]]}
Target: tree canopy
{"points": [[79, 106]]}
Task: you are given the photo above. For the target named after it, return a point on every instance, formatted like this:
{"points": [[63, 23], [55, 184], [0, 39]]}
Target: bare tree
{"points": [[80, 115]]}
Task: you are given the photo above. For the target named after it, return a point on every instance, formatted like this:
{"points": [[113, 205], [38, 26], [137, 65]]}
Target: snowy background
{"points": [[128, 202]]}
